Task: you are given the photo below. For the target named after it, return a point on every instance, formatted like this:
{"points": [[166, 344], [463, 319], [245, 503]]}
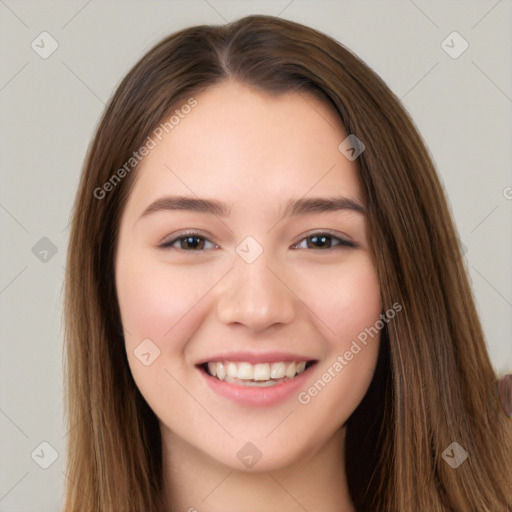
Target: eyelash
{"points": [[342, 243]]}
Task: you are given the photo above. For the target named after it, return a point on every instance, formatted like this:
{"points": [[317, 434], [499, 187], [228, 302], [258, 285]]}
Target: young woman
{"points": [[266, 306]]}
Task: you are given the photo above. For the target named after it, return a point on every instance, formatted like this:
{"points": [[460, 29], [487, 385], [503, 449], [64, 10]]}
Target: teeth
{"points": [[231, 370], [245, 371], [291, 370], [212, 369], [260, 374], [261, 371], [221, 370], [278, 370]]}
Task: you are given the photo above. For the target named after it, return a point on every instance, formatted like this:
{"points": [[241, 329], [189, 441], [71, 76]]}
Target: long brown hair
{"points": [[434, 384]]}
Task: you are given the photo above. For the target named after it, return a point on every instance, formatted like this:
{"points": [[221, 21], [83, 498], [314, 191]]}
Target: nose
{"points": [[256, 296]]}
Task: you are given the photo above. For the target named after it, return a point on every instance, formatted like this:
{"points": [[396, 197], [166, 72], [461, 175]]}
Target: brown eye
{"points": [[188, 242], [324, 241]]}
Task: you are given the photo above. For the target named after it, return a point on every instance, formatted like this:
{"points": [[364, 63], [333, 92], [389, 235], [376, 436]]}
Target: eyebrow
{"points": [[292, 208]]}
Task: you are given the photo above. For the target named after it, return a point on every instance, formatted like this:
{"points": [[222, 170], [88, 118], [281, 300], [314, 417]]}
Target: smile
{"points": [[252, 379], [260, 374]]}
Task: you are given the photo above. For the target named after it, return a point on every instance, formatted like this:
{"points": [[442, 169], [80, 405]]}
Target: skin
{"points": [[254, 152]]}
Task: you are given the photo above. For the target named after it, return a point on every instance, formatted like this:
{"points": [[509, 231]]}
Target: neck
{"points": [[194, 482]]}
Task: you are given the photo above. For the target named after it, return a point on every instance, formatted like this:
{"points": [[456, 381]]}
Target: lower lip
{"points": [[257, 396]]}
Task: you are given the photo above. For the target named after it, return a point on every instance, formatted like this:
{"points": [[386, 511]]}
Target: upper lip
{"points": [[254, 358]]}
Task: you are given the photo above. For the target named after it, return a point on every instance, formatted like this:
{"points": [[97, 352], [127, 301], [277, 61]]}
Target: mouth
{"points": [[264, 374]]}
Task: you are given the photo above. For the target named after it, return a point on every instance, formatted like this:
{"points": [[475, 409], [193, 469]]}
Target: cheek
{"points": [[344, 299], [359, 301], [349, 305], [159, 301], [357, 339]]}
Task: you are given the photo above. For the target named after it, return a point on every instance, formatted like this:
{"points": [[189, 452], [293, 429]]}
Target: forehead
{"points": [[248, 148]]}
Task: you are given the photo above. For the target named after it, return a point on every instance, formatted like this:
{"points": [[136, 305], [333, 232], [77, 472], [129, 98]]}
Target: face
{"points": [[268, 298]]}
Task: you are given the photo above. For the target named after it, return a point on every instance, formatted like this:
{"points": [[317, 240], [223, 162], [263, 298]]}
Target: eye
{"points": [[191, 241], [323, 241]]}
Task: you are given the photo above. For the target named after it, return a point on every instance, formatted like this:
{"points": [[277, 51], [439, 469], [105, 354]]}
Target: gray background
{"points": [[50, 108]]}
